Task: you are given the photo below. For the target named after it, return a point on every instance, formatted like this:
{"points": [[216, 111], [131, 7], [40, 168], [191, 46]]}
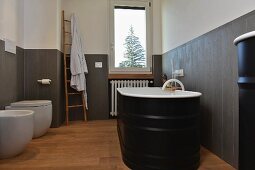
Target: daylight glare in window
{"points": [[130, 37]]}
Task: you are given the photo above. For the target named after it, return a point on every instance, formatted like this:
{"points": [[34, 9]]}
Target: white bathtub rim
{"points": [[130, 92], [244, 37]]}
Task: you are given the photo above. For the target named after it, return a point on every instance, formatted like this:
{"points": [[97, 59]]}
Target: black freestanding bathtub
{"points": [[246, 82], [159, 130]]}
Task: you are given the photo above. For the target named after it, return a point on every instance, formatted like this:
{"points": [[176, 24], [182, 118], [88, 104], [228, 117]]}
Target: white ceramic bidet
{"points": [[16, 131]]}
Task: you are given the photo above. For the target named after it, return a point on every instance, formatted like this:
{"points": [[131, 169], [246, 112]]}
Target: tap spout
{"points": [[171, 81]]}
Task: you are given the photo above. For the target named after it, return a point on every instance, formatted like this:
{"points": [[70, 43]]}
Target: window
{"points": [[130, 36]]}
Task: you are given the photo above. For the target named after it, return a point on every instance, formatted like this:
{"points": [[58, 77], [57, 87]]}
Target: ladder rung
{"points": [[73, 106], [68, 32], [67, 20], [68, 68], [73, 93], [67, 44]]}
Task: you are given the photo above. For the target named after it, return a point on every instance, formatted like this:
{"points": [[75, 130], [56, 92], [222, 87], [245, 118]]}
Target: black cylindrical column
{"points": [[246, 82]]}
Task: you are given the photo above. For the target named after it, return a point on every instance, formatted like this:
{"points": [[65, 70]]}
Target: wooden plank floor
{"points": [[84, 146]]}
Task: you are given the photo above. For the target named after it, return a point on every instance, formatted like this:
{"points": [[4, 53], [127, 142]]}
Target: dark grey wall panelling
{"points": [[210, 66], [11, 75], [157, 69], [60, 87], [97, 87], [45, 63], [74, 113], [49, 64], [19, 74], [97, 90]]}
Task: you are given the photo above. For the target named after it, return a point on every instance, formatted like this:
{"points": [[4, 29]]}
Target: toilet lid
{"points": [[31, 103]]}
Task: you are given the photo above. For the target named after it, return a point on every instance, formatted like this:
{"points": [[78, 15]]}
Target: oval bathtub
{"points": [[159, 130], [16, 131]]}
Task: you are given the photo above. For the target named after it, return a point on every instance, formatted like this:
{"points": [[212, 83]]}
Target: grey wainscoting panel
{"points": [[11, 75], [157, 69], [61, 87], [20, 75], [97, 87], [45, 63], [210, 67]]}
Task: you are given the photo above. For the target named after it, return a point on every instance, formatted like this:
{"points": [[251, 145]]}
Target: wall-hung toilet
{"points": [[42, 114]]}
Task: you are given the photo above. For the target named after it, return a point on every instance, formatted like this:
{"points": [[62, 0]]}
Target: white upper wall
{"points": [[59, 24], [184, 20], [157, 27], [12, 21], [93, 22], [2, 19], [93, 18], [42, 24], [36, 24]]}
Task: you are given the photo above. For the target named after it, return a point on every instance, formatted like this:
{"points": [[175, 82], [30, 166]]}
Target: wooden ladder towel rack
{"points": [[67, 45]]}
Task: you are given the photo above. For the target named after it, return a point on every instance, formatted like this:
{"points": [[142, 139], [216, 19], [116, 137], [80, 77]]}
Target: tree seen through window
{"points": [[134, 52]]}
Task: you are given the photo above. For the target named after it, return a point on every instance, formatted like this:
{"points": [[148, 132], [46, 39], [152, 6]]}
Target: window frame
{"points": [[148, 8]]}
